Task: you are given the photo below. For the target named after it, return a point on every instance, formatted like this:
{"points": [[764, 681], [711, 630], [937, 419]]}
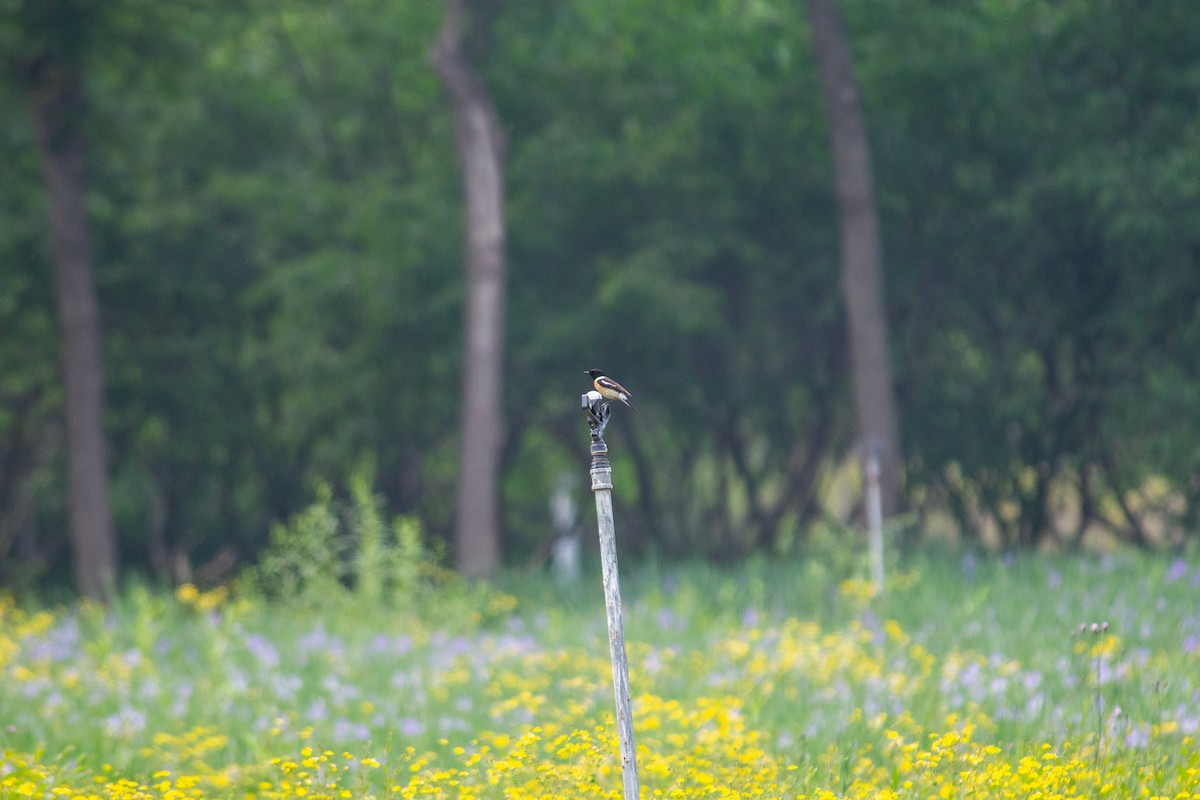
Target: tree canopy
{"points": [[277, 235]]}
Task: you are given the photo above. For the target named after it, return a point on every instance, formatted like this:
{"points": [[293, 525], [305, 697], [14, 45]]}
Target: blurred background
{"points": [[270, 201]]}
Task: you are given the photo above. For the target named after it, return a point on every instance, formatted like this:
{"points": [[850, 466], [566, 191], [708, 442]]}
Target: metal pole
{"points": [[601, 471], [874, 503]]}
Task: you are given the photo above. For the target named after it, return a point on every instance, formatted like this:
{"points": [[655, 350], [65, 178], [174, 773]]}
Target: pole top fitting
{"points": [[598, 413]]}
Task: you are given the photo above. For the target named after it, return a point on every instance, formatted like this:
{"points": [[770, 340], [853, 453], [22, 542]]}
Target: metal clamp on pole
{"points": [[598, 414]]}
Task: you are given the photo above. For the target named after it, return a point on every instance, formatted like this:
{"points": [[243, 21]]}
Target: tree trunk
{"points": [[862, 282], [481, 152], [58, 103]]}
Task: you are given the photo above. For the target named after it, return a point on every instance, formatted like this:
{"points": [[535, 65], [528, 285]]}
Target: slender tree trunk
{"points": [[481, 151], [862, 282], [58, 102]]}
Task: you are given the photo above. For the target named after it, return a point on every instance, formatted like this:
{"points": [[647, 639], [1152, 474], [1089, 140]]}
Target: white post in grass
{"points": [[598, 413], [874, 503], [564, 514]]}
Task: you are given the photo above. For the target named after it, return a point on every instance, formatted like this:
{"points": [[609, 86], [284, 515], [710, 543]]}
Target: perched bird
{"points": [[610, 389]]}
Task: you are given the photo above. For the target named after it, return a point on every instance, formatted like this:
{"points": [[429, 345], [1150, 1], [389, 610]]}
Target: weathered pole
{"points": [[598, 413]]}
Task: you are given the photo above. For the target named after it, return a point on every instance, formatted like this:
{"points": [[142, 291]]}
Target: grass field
{"points": [[969, 678]]}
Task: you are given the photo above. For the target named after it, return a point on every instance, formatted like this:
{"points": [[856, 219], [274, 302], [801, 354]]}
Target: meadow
{"points": [[970, 677]]}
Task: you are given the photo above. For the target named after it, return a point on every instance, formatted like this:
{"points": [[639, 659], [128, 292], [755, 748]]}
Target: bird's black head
{"points": [[595, 373]]}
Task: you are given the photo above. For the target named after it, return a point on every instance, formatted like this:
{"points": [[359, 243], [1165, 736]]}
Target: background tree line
{"points": [[274, 204]]}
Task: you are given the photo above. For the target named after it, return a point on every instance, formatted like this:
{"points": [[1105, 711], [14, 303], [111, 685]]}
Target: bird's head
{"points": [[595, 373]]}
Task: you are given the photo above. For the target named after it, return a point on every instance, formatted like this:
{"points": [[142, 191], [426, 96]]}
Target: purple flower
{"points": [[183, 695], [1108, 673], [1054, 580], [1189, 721], [1177, 570], [127, 722], [382, 644], [59, 643], [667, 620], [262, 650], [318, 640], [410, 727], [345, 730], [1138, 737], [454, 725], [285, 687], [318, 710]]}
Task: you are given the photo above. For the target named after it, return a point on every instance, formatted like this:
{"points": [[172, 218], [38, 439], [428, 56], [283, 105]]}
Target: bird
{"points": [[610, 389]]}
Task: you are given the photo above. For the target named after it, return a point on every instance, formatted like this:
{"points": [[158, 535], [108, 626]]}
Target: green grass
{"points": [[968, 677]]}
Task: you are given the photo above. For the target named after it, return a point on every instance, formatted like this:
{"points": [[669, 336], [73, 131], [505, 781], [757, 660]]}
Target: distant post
{"points": [[598, 413], [564, 552], [874, 508]]}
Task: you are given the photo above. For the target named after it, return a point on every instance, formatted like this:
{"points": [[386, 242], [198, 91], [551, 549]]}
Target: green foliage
{"points": [[334, 551], [276, 224], [677, 164], [305, 556], [344, 554], [1031, 271]]}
